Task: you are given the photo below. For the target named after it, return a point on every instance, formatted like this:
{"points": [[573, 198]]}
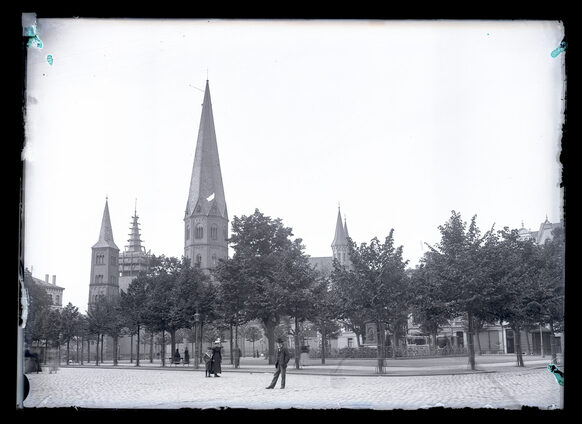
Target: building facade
{"points": [[50, 286]]}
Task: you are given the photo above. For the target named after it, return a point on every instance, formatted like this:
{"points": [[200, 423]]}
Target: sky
{"points": [[397, 122]]}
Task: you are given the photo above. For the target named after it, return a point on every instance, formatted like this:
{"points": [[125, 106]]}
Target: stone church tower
{"points": [[104, 263], [206, 216]]}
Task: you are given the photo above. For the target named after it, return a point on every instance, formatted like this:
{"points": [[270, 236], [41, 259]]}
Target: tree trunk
{"points": [[82, 349], [230, 345], [137, 347], [172, 343], [151, 347], [68, 342], [131, 348], [115, 342], [527, 341], [97, 351], [323, 344], [163, 353], [394, 344], [380, 349], [270, 327], [517, 336], [358, 335], [553, 343], [470, 340], [297, 347], [88, 349]]}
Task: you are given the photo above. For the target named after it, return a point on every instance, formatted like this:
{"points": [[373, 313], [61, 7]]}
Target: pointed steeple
{"points": [[206, 181], [106, 233], [134, 236], [340, 238], [346, 226]]}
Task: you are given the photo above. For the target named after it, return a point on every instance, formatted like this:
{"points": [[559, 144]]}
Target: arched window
{"points": [[213, 260], [199, 231], [214, 232], [57, 300], [198, 260], [187, 231]]}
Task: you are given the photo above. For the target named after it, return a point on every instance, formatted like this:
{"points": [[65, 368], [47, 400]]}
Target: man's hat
{"points": [[217, 341], [280, 340]]}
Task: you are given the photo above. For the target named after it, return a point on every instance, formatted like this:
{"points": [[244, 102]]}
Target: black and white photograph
{"points": [[307, 214]]}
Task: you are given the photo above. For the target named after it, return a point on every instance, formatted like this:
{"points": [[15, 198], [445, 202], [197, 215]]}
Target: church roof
{"points": [[106, 233], [206, 187], [340, 237]]}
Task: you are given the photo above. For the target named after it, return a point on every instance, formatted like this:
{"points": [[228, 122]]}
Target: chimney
{"points": [[54, 280], [46, 279]]}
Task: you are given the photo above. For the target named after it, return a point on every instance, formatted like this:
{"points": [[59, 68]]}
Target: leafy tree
{"points": [[260, 243], [428, 308], [378, 272], [99, 317], [552, 285], [195, 294], [132, 304], [69, 324], [325, 310], [462, 269]]}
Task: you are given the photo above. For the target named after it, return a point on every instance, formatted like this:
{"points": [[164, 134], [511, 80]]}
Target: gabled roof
{"points": [[106, 233], [206, 181]]}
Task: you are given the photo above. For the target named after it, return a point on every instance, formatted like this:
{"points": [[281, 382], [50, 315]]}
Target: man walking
{"points": [[281, 365]]}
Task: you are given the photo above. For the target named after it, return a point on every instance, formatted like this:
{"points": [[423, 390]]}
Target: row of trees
{"points": [[485, 278]]}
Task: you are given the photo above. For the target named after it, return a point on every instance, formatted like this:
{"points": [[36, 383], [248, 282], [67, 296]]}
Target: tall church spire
{"points": [[106, 233], [206, 216], [206, 187], [340, 237]]}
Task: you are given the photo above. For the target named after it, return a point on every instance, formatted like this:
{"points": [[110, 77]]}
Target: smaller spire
{"points": [[106, 233]]}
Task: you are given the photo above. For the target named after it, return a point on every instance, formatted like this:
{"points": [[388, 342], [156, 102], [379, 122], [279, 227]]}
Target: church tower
{"points": [[134, 259], [104, 263], [206, 217], [339, 246]]}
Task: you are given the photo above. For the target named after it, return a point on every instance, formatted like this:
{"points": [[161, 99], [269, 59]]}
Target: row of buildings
{"points": [[205, 243]]}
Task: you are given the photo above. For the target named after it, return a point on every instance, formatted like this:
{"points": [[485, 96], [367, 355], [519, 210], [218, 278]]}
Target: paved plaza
{"points": [[407, 385]]}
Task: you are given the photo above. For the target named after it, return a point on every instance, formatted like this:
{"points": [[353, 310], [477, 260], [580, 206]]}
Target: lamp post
{"points": [[196, 331]]}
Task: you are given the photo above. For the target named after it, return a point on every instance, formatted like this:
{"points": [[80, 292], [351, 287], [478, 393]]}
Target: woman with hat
{"points": [[216, 360]]}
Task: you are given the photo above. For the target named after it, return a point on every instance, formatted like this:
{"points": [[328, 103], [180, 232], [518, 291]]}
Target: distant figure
{"points": [[281, 364], [237, 354], [216, 360], [186, 357], [177, 357], [207, 360]]}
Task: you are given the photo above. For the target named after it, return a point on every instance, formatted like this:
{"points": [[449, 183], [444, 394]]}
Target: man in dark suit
{"points": [[281, 364]]}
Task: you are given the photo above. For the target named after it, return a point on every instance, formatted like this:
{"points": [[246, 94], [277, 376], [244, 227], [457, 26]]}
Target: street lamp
{"points": [[196, 354]]}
